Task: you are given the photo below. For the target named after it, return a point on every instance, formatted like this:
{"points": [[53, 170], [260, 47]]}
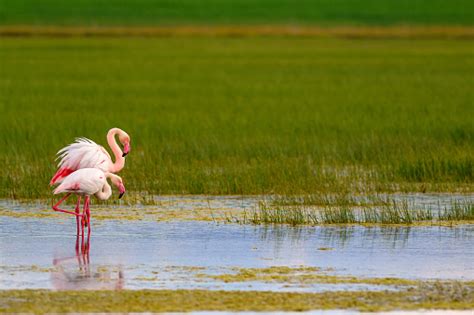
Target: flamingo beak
{"points": [[121, 188], [126, 149]]}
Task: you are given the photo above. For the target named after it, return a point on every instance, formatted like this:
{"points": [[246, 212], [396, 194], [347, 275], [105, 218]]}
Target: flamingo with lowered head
{"points": [[85, 153], [87, 182]]}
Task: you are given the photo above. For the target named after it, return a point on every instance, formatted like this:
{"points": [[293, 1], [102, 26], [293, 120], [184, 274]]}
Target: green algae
{"points": [[325, 248], [129, 213], [400, 294], [25, 214], [302, 276], [25, 268], [451, 295], [141, 278]]}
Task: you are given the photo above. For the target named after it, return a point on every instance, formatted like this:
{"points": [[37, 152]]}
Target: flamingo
{"points": [[85, 153], [87, 182]]}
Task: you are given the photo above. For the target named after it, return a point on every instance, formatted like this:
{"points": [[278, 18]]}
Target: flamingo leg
{"points": [[84, 221], [88, 218], [77, 243], [86, 253], [78, 206], [56, 206]]}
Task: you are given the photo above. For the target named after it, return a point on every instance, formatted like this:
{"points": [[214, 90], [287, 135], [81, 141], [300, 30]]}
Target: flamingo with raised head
{"points": [[85, 153], [87, 182]]}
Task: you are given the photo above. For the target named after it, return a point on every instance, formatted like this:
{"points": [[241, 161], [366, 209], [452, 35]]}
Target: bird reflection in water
{"points": [[76, 272]]}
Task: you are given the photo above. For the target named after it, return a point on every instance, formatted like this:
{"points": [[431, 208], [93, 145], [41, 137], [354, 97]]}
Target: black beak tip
{"points": [[120, 196], [124, 154]]}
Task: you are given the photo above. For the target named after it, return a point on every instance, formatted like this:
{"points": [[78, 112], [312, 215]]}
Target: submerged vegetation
{"points": [[243, 116]]}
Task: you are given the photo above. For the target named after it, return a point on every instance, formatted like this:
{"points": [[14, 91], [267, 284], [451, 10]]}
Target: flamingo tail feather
{"points": [[60, 174]]}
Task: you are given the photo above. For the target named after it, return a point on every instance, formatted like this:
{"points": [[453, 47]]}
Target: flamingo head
{"points": [[126, 148], [118, 182], [121, 189], [124, 139]]}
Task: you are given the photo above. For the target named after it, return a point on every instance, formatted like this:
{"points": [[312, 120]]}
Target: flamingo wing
{"points": [[83, 153]]}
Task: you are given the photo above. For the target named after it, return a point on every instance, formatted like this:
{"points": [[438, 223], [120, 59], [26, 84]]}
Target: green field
{"points": [[321, 12], [243, 116]]}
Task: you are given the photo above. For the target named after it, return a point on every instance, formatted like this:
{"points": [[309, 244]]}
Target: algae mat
{"points": [[195, 300]]}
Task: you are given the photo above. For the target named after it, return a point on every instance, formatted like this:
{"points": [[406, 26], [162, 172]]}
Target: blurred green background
{"points": [[156, 12]]}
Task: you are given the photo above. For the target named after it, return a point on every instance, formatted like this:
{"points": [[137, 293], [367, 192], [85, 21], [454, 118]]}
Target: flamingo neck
{"points": [[115, 179], [105, 193], [119, 159]]}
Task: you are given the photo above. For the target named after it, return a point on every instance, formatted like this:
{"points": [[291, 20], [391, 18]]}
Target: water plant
{"points": [[401, 212], [457, 211]]}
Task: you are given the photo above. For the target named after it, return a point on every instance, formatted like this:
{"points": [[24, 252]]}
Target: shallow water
{"points": [[133, 254], [210, 208]]}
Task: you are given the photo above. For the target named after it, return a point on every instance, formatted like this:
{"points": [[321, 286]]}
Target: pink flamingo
{"points": [[87, 182], [85, 153]]}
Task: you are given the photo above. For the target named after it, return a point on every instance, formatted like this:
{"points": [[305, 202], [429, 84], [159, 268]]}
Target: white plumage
{"points": [[84, 153], [85, 181]]}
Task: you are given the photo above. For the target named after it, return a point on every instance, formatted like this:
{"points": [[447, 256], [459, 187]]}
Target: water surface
{"points": [[41, 253]]}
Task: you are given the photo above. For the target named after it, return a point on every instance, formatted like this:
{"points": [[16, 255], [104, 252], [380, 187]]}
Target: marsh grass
{"points": [[235, 116], [458, 211], [393, 212]]}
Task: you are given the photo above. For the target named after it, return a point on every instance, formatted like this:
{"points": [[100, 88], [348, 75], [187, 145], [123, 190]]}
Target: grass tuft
{"points": [[458, 211], [389, 213]]}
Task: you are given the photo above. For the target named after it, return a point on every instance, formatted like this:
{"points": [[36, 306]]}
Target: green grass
{"points": [[459, 211], [243, 116], [152, 12]]}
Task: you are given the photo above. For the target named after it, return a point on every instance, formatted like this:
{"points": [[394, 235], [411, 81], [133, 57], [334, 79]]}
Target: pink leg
{"points": [[77, 240], [56, 206], [78, 207], [84, 220], [86, 253], [88, 216]]}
